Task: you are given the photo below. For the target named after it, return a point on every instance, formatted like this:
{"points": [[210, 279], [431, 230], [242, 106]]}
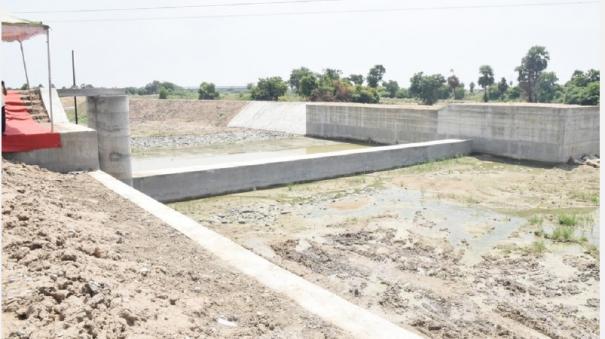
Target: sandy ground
{"points": [[150, 117], [457, 248], [80, 262]]}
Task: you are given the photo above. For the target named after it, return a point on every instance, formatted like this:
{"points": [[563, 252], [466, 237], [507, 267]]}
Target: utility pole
{"points": [[73, 70]]}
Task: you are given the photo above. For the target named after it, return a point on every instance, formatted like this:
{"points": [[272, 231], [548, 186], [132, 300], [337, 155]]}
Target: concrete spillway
{"points": [[200, 181]]}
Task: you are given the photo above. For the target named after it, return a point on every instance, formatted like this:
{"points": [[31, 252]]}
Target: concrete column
{"points": [[109, 116]]}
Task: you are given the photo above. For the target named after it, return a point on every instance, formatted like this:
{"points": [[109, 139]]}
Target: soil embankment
{"points": [[81, 262]]}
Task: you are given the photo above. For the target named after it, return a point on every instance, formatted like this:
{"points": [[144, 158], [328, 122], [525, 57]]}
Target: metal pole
{"points": [[73, 70], [24, 65], [50, 83]]}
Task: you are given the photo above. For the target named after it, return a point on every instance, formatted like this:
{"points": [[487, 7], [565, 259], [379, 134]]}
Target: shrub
{"points": [[207, 91], [568, 219], [163, 93]]}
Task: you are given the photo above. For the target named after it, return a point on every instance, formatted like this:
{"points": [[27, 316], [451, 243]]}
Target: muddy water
{"points": [[235, 153], [448, 268]]}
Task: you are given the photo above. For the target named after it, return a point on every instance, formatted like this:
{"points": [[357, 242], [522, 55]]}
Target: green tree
{"points": [[486, 79], [530, 69], [403, 93], [428, 88], [375, 75], [583, 88], [391, 87], [513, 93], [295, 77], [357, 79], [207, 91], [453, 82], [471, 87], [163, 93], [331, 74], [547, 89], [502, 87], [269, 89], [460, 92], [308, 84], [365, 94]]}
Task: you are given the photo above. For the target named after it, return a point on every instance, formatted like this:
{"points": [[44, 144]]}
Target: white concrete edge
{"points": [[360, 322], [163, 171], [59, 115]]}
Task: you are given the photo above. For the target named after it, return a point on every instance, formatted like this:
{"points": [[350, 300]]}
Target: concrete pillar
{"points": [[109, 116]]}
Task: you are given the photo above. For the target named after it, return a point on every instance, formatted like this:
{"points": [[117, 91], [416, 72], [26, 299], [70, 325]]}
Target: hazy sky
{"points": [[237, 50]]}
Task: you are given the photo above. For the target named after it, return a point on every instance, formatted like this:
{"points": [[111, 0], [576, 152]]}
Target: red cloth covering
{"points": [[23, 133]]}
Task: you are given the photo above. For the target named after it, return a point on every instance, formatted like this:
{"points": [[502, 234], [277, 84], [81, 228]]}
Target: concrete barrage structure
{"points": [[108, 115], [189, 183], [538, 132]]}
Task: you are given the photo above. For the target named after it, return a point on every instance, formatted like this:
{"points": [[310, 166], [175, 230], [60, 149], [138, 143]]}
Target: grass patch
{"points": [[536, 248], [592, 197], [568, 219], [563, 233], [536, 220]]}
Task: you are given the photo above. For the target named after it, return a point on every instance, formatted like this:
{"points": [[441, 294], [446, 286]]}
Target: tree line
{"points": [[534, 84]]}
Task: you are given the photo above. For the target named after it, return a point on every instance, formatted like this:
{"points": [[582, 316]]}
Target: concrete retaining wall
{"points": [[182, 184], [381, 124], [540, 132], [78, 151]]}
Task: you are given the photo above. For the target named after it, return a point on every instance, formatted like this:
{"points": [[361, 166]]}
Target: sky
{"points": [[242, 43]]}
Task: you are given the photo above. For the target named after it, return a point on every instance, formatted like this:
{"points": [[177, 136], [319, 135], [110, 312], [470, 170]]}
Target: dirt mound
{"points": [[180, 117], [81, 262]]}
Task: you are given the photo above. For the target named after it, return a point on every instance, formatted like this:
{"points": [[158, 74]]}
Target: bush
{"points": [[207, 91], [163, 93], [269, 89], [428, 88], [563, 234], [367, 95], [583, 88]]}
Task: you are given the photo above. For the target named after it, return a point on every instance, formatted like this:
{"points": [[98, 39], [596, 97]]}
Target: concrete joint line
{"points": [[360, 322]]}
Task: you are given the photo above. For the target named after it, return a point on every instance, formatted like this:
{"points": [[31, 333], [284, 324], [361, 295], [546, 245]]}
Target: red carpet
{"points": [[23, 133]]}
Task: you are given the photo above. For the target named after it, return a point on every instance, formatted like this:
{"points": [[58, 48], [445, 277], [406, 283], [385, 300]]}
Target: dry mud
{"points": [[80, 262], [458, 248]]}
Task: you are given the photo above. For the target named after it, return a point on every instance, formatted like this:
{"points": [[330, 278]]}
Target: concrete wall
{"points": [[108, 115], [549, 133], [540, 132], [78, 151], [381, 124], [59, 115], [288, 117], [182, 184]]}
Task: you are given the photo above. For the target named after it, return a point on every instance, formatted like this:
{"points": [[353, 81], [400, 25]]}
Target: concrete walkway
{"points": [[358, 321]]}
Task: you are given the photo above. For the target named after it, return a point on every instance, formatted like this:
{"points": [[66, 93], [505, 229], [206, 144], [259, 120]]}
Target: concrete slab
{"points": [[176, 184], [289, 117], [359, 322], [78, 151]]}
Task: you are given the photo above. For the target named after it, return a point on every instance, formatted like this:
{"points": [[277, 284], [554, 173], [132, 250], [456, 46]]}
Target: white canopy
{"points": [[16, 29]]}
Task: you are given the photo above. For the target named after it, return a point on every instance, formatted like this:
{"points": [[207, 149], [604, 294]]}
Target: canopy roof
{"points": [[16, 29]]}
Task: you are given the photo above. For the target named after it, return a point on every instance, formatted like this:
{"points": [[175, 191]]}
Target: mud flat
{"points": [[472, 246], [80, 262]]}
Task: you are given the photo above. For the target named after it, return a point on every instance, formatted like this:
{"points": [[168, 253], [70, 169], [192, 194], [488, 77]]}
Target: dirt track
{"points": [[80, 262], [458, 248]]}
